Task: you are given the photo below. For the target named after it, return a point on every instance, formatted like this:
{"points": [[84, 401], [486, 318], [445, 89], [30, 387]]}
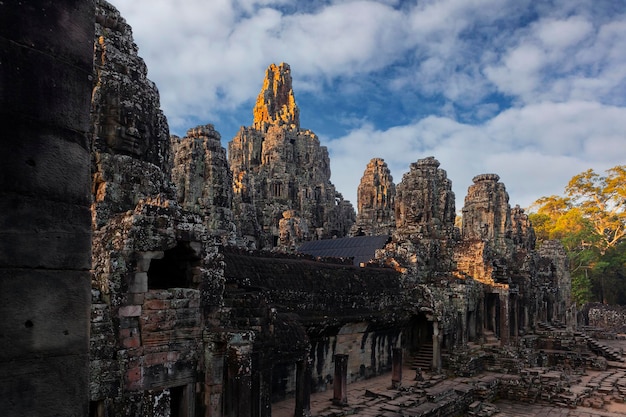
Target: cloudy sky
{"points": [[533, 90]]}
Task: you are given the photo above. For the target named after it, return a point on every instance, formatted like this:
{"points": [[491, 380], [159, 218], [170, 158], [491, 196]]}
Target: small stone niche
{"points": [[178, 268]]}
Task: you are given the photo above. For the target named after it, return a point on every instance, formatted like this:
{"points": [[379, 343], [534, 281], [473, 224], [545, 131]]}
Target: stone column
{"points": [[526, 320], [396, 368], [505, 325], [492, 317], [303, 389], [515, 316], [471, 319], [437, 338], [340, 384], [237, 392], [213, 377], [46, 55]]}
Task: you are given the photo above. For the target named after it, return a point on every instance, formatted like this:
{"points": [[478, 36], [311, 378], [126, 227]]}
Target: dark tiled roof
{"points": [[361, 248]]}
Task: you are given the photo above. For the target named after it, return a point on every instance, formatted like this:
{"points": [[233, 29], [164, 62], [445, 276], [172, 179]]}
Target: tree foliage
{"points": [[590, 222]]}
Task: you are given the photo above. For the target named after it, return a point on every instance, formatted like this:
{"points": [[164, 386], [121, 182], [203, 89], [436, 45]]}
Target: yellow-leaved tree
{"points": [[590, 221]]}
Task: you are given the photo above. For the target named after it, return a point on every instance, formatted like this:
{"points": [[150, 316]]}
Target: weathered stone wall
{"points": [[340, 309], [611, 319], [369, 353], [46, 60], [157, 282]]}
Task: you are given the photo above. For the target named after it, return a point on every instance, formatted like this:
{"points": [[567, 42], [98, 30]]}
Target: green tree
{"points": [[602, 200], [590, 222]]}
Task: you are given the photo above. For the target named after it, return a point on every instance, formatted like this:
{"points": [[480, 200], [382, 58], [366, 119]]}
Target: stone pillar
{"points": [[480, 319], [505, 325], [303, 389], [213, 378], [515, 317], [437, 338], [396, 368], [261, 384], [526, 320], [492, 317], [46, 61], [237, 386], [471, 324], [340, 383]]}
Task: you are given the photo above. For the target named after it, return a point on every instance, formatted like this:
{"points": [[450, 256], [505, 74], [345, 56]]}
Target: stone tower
{"points": [[486, 231], [131, 149], [424, 200], [203, 180], [279, 168], [376, 197], [486, 213], [276, 104], [424, 214]]}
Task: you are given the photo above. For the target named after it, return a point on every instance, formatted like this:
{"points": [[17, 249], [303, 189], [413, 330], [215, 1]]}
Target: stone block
{"points": [[133, 375], [44, 312], [24, 22], [131, 342], [39, 233], [130, 311], [139, 283], [144, 259], [45, 386], [156, 304]]}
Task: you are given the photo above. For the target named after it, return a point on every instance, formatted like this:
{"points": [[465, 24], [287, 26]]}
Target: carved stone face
{"points": [[119, 129]]}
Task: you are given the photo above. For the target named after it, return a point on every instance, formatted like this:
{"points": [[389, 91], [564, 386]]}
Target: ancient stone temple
{"points": [[375, 201], [497, 248], [279, 167], [186, 318]]}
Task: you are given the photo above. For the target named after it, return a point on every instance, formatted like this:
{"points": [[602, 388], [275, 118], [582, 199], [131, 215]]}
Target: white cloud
{"points": [[568, 59], [559, 34], [543, 83], [535, 149]]}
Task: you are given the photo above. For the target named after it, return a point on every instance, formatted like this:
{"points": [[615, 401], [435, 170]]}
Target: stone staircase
{"points": [[423, 358], [490, 338], [601, 349], [594, 345]]}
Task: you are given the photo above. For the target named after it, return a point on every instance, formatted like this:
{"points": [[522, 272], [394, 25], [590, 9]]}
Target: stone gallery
{"points": [[224, 282]]}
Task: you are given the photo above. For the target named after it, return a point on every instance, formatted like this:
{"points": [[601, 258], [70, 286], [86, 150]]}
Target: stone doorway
{"points": [[418, 341], [492, 314]]}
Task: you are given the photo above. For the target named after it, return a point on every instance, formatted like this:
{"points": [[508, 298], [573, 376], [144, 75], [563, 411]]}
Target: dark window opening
{"points": [[175, 269], [96, 409], [178, 406]]}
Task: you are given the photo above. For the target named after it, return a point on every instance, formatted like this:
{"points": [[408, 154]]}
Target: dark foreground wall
{"points": [[46, 50]]}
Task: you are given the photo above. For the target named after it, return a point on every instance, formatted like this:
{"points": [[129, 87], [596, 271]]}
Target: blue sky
{"points": [[534, 91]]}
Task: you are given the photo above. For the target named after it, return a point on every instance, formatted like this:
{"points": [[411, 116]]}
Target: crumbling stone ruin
{"points": [[201, 303]]}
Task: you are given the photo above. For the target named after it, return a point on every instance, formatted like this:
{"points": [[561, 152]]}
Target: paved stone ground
{"points": [[375, 397]]}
